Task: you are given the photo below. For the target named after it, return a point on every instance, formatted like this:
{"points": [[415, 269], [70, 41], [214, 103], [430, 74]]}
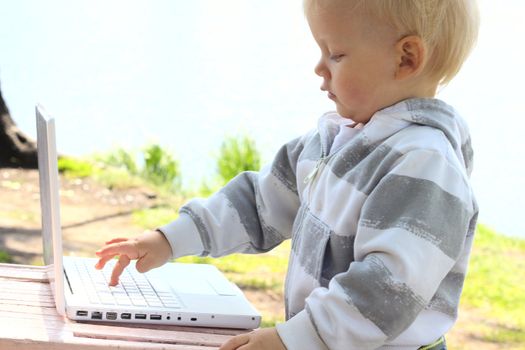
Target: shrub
{"points": [[121, 158], [237, 154], [153, 165], [160, 168], [5, 257], [74, 167]]}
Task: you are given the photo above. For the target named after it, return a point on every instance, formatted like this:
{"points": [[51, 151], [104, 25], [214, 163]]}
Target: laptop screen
{"points": [[50, 204]]}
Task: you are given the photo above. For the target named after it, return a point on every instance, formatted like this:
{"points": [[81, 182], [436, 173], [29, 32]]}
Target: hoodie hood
{"points": [[417, 111]]}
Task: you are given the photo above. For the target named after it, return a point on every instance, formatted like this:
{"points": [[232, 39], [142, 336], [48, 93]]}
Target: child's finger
{"points": [[116, 240], [124, 248], [121, 264], [102, 261]]}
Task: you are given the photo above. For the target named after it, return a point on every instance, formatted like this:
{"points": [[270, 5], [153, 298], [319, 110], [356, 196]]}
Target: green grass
{"points": [[495, 286], [75, 168], [20, 215], [5, 257], [155, 217]]}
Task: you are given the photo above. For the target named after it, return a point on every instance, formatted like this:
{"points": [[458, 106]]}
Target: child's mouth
{"points": [[331, 96]]}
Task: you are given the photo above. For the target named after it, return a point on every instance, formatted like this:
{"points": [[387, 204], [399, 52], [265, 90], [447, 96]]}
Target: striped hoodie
{"points": [[381, 229]]}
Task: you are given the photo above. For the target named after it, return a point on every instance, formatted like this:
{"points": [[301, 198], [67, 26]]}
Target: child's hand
{"points": [[262, 339], [151, 249]]}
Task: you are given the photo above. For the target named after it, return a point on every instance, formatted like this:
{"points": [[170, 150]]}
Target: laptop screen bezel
{"points": [[50, 205]]}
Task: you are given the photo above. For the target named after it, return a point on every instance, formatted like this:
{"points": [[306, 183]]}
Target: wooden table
{"points": [[28, 320]]}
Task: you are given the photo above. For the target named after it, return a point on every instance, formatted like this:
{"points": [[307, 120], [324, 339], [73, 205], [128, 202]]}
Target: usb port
{"points": [[155, 317], [193, 319], [111, 315], [125, 316], [82, 313], [140, 316], [96, 315]]}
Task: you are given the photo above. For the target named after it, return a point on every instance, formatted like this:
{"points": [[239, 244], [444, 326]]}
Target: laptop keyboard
{"points": [[134, 288]]}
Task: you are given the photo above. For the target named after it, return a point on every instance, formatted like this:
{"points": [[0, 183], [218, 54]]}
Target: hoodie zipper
{"points": [[309, 180], [312, 175]]}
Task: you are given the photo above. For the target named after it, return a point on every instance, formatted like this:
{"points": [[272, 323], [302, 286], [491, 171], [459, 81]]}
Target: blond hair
{"points": [[449, 28]]}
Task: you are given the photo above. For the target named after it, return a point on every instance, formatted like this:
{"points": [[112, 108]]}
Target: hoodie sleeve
{"points": [[253, 213], [411, 233]]}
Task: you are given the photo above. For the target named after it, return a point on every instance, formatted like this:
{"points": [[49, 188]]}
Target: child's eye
{"points": [[337, 57]]}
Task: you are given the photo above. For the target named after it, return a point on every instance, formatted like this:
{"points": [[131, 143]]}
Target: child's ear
{"points": [[411, 56]]}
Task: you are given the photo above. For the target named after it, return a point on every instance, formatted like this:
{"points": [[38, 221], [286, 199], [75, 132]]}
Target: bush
{"points": [[74, 167], [237, 154], [153, 165], [121, 158], [160, 168], [5, 257]]}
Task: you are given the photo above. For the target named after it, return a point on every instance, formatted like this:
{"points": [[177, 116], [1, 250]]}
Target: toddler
{"points": [[376, 200]]}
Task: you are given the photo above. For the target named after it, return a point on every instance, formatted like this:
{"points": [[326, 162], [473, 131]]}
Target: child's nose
{"points": [[321, 70]]}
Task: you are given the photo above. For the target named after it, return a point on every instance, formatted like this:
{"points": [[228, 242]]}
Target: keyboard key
{"points": [[139, 302], [134, 288], [155, 304]]}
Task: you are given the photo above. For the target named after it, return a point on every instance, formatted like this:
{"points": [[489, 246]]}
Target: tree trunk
{"points": [[16, 149]]}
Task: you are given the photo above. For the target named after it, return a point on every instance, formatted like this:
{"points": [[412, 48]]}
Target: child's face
{"points": [[357, 65]]}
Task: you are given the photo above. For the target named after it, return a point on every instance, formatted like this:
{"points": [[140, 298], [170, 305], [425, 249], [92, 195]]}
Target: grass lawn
{"points": [[495, 289]]}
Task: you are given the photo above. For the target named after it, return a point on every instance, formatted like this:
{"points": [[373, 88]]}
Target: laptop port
{"points": [[155, 317], [96, 315], [111, 315], [125, 316], [82, 313], [193, 319], [140, 316]]}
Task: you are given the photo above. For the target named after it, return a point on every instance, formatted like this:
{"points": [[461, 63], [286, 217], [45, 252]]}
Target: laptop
{"points": [[175, 294]]}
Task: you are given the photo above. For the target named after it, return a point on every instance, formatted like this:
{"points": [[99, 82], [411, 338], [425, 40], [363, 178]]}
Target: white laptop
{"points": [[178, 294]]}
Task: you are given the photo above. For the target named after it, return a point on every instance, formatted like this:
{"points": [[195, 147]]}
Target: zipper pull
{"points": [[312, 174]]}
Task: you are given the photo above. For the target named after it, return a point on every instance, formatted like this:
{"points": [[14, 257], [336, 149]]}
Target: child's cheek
{"points": [[353, 95]]}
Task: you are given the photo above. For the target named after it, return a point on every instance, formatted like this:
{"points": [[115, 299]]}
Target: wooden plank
{"points": [[28, 309], [45, 292], [44, 304], [21, 297], [36, 329], [49, 316], [95, 344], [55, 334], [25, 286], [147, 335], [24, 272], [204, 330]]}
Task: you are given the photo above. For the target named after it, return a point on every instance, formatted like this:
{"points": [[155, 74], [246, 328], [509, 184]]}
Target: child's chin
{"points": [[344, 113]]}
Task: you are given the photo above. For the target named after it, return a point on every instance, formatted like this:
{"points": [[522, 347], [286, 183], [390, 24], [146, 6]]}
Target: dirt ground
{"points": [[91, 214]]}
